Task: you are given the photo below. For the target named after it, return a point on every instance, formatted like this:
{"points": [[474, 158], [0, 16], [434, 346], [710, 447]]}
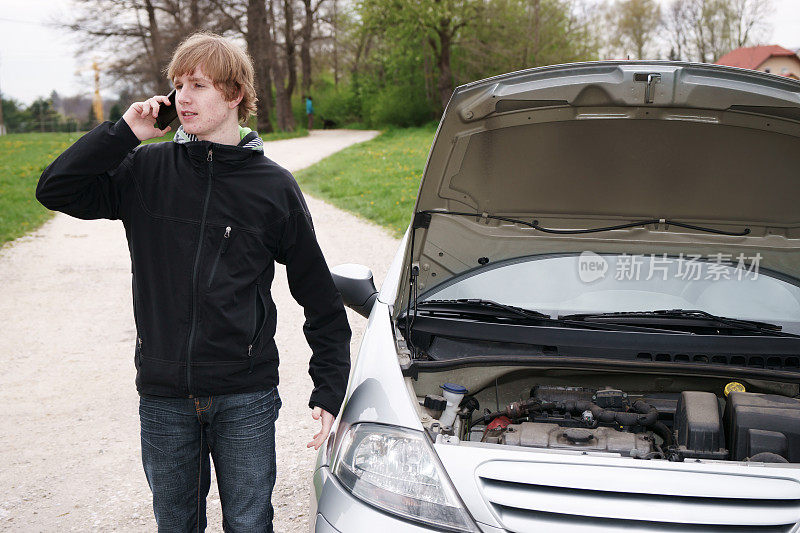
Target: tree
{"points": [[396, 59], [439, 22], [675, 25], [705, 30], [289, 36], [55, 100], [136, 37], [749, 20], [310, 10], [43, 114], [523, 34], [634, 25], [376, 61], [15, 116], [259, 45], [261, 35], [283, 105], [115, 114]]}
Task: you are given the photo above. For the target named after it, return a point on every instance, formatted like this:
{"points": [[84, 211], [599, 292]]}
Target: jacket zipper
{"points": [[223, 247], [194, 279], [139, 350], [259, 301]]}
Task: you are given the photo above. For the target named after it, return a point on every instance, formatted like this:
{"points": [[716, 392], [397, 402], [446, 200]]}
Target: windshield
{"points": [[591, 283]]}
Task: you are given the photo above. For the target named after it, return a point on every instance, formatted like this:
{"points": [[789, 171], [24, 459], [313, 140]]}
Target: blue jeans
{"points": [[238, 431]]}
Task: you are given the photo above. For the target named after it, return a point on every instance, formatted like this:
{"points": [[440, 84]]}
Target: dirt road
{"points": [[69, 443]]}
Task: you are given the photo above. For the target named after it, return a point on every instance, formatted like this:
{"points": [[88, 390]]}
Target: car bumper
{"points": [[337, 511]]}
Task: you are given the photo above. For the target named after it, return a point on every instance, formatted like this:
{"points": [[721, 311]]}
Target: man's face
{"points": [[202, 108]]}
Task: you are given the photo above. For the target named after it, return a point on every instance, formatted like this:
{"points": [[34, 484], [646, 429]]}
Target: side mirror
{"points": [[356, 286]]}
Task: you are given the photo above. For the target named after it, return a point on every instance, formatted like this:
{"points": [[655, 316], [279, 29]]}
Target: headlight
{"points": [[397, 471]]}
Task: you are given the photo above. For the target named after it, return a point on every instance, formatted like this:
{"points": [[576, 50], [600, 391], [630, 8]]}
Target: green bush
{"points": [[401, 106], [341, 106], [364, 104]]}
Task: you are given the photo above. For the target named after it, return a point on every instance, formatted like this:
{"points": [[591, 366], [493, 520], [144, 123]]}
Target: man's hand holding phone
{"points": [[141, 117]]}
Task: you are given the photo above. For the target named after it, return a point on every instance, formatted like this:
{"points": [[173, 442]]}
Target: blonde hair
{"points": [[226, 64]]}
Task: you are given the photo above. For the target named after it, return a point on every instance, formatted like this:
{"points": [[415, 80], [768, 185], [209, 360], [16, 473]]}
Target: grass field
{"points": [[377, 179], [24, 156]]}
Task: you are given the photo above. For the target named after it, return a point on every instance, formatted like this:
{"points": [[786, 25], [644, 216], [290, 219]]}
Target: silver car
{"points": [[593, 321]]}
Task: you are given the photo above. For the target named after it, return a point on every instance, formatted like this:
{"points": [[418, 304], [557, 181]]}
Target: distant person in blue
{"points": [[310, 112]]}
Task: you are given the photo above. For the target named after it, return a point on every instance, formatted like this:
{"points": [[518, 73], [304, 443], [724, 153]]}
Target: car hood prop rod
{"points": [[412, 292]]}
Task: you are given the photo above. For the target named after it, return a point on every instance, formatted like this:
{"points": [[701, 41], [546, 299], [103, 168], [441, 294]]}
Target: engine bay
{"points": [[675, 425]]}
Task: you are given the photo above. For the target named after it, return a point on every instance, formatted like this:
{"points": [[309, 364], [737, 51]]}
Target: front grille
{"points": [[591, 498], [523, 521]]}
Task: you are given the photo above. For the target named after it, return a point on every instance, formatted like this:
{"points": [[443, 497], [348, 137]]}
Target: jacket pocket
{"points": [[138, 355], [259, 320], [223, 247]]}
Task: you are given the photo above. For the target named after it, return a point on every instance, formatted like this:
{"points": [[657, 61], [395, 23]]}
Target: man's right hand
{"points": [[141, 116]]}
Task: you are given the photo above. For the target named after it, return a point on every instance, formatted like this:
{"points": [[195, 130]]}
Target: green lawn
{"points": [[23, 157], [377, 179]]}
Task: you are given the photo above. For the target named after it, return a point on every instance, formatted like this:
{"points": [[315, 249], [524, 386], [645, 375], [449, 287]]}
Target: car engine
{"points": [[576, 418], [674, 426]]}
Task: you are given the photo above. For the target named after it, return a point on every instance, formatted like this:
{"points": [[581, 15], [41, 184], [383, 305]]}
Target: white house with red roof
{"points": [[773, 59]]}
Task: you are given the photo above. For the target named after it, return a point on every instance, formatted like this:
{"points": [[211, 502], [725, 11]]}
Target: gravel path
{"points": [[69, 443]]}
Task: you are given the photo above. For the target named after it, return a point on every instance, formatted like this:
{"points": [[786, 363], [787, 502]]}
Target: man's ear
{"points": [[236, 101]]}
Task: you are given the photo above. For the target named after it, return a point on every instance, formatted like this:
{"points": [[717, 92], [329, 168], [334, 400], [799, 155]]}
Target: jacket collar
{"points": [[226, 157], [249, 139]]}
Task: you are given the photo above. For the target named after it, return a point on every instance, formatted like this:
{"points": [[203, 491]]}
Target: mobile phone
{"points": [[167, 113]]}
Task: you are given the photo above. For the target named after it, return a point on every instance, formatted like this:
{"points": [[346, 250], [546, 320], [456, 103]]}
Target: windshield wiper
{"points": [[476, 307], [684, 318], [489, 307]]}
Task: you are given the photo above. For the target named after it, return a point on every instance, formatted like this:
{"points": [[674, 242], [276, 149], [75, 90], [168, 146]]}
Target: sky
{"points": [[36, 59]]}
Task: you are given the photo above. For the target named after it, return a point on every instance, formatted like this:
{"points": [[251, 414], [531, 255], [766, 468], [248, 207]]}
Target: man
{"points": [[310, 112], [206, 216]]}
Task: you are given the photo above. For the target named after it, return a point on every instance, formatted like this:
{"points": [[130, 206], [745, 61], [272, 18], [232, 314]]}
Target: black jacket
{"points": [[205, 223]]}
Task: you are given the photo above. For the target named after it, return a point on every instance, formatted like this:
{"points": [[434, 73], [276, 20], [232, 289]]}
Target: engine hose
{"points": [[488, 417], [515, 410], [660, 429], [641, 413]]}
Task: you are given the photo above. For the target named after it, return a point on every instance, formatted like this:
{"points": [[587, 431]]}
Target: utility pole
{"points": [[97, 101]]}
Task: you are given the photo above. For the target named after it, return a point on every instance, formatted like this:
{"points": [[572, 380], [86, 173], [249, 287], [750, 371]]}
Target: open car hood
{"points": [[604, 144]]}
